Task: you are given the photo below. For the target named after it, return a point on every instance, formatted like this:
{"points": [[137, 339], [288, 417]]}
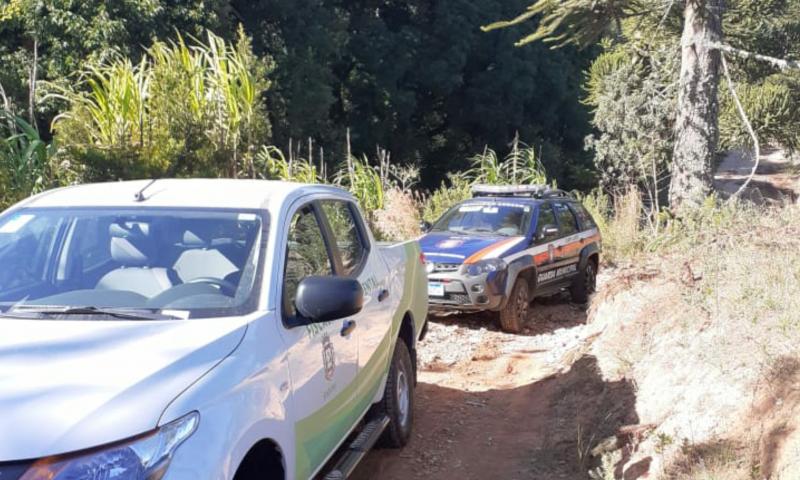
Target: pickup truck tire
{"points": [[585, 283], [514, 314], [398, 399]]}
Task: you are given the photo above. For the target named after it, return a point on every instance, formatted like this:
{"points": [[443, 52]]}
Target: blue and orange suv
{"points": [[507, 245]]}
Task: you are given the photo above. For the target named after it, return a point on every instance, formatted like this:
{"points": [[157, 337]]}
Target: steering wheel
{"points": [[225, 286]]}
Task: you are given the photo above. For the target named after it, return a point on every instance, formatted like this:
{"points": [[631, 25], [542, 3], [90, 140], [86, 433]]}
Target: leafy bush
{"points": [[24, 160], [183, 110]]}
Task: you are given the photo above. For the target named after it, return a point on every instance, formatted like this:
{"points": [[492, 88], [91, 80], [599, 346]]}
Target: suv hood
{"points": [[443, 247], [72, 385]]}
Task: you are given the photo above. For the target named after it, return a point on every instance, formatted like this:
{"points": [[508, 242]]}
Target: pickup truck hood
{"points": [[72, 385], [449, 248]]}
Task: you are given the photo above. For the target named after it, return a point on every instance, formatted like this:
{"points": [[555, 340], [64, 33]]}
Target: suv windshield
{"points": [[486, 218], [147, 263]]}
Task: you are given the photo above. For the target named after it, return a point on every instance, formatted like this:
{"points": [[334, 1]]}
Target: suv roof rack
{"points": [[530, 191]]}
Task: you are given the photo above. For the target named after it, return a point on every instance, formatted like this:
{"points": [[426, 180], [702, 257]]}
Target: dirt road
{"points": [[775, 180], [493, 405]]}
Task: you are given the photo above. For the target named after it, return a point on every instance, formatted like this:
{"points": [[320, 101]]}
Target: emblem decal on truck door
{"points": [[328, 357]]}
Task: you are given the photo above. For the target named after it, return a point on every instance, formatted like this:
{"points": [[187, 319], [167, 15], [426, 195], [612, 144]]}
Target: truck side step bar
{"points": [[358, 449]]}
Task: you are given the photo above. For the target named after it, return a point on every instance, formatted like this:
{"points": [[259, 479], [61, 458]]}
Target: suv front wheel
{"points": [[515, 313]]}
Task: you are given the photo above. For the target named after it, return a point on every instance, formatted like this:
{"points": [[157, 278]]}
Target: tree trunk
{"points": [[697, 131]]}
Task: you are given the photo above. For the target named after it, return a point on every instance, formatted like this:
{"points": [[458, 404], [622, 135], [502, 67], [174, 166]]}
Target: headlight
{"points": [[430, 267], [144, 458], [486, 266]]}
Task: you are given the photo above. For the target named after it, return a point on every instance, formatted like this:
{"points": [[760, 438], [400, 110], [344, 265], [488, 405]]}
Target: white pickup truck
{"points": [[202, 329]]}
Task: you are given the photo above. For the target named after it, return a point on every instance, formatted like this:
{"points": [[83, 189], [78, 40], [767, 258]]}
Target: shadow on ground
{"points": [[544, 430]]}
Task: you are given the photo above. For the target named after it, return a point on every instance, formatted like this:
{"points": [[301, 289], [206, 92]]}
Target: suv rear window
{"points": [[566, 219], [583, 215]]}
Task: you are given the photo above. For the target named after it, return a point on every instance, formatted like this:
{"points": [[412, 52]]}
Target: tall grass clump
{"points": [[25, 160], [187, 109], [452, 191], [520, 167], [272, 164]]}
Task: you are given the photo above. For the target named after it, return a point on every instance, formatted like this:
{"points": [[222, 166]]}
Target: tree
{"points": [[57, 38], [420, 79], [696, 129]]}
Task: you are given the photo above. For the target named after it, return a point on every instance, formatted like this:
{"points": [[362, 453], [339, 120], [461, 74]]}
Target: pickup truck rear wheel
{"points": [[398, 399], [513, 316]]}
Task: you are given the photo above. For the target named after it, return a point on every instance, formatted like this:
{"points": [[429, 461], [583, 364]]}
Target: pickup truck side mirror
{"points": [[547, 232], [323, 299], [425, 226]]}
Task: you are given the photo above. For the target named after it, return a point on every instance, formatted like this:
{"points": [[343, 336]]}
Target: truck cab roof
{"points": [[179, 193]]}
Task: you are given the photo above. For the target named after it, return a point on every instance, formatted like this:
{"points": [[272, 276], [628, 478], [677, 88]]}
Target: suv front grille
{"points": [[445, 267], [452, 299]]}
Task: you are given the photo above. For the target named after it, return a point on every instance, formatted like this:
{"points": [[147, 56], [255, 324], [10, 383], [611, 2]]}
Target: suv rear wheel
{"points": [[585, 283], [515, 313]]}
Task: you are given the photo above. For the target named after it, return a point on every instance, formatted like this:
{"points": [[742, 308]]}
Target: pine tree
{"points": [[584, 21]]}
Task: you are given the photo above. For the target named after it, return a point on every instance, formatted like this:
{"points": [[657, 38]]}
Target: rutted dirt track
{"points": [[492, 405]]}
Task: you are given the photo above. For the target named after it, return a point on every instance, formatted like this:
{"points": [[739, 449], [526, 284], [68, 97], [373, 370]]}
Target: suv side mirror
{"points": [[323, 299], [548, 231], [425, 226]]}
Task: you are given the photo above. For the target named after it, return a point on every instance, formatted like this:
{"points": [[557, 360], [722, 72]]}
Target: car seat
{"points": [[132, 247]]}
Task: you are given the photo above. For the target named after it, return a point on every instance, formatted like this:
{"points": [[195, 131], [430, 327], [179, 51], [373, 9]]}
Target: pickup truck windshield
{"points": [[486, 218], [142, 264]]}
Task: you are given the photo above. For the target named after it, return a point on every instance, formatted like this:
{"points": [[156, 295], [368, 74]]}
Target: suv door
{"points": [[545, 260], [569, 245], [355, 256], [323, 363]]}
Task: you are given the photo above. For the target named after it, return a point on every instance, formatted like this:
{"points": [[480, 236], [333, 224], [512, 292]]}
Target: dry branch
{"points": [[780, 63]]}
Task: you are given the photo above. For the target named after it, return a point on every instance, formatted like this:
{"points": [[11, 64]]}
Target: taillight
{"points": [[422, 258]]}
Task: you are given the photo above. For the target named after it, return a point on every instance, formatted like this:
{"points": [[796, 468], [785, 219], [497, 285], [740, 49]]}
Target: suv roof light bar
{"points": [[532, 191]]}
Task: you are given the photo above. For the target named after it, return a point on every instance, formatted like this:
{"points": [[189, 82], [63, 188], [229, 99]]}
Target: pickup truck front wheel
{"points": [[398, 399], [514, 314]]}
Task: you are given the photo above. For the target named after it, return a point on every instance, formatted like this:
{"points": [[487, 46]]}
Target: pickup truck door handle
{"points": [[383, 295], [348, 327]]}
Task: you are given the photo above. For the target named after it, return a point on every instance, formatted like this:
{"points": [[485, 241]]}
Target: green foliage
{"points": [[183, 110], [635, 101], [24, 160], [607, 63], [364, 182], [271, 164], [455, 190], [417, 78], [771, 107], [72, 34], [769, 27], [579, 22], [520, 167]]}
